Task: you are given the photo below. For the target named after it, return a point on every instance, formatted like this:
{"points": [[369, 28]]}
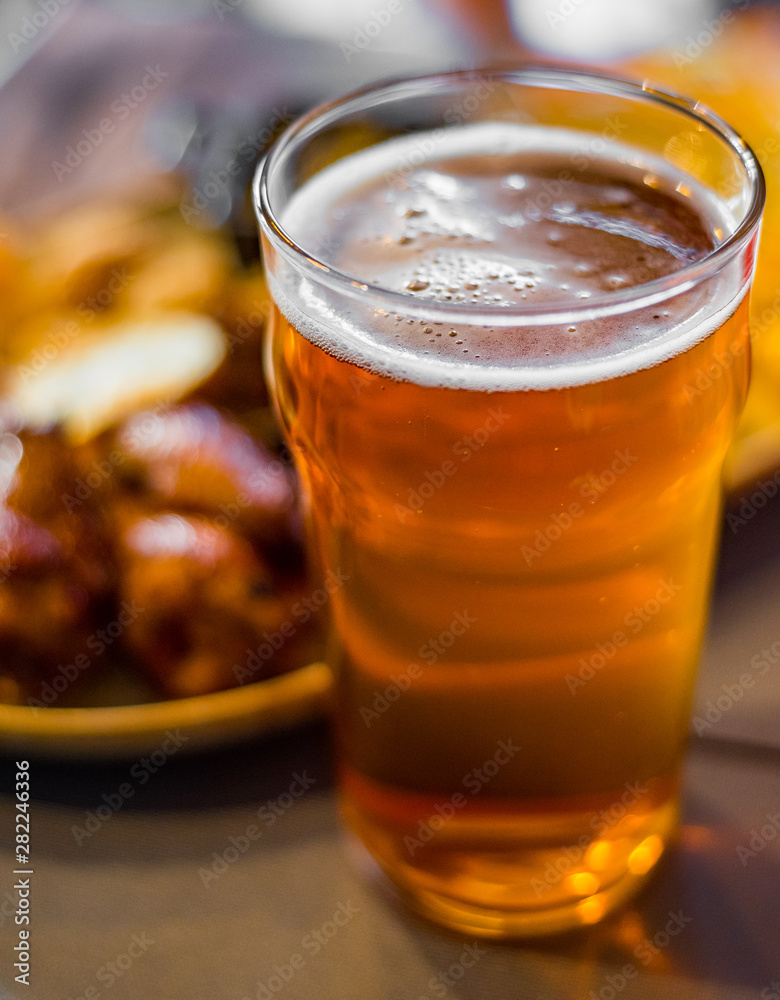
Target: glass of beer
{"points": [[508, 350]]}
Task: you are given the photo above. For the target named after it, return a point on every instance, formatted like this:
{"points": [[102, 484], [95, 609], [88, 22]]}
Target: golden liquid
{"points": [[526, 576]]}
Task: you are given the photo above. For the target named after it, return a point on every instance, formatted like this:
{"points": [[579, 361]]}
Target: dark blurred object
{"points": [[216, 150], [80, 108]]}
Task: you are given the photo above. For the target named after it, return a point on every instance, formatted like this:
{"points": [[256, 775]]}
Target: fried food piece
{"points": [[81, 251], [46, 613], [100, 377], [119, 312], [188, 270], [137, 256], [194, 458], [59, 490], [204, 600], [56, 569], [57, 573], [44, 470]]}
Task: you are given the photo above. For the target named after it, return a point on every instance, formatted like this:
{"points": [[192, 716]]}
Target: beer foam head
{"points": [[470, 243]]}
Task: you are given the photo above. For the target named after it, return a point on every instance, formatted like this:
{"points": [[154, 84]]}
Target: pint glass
{"points": [[508, 349]]}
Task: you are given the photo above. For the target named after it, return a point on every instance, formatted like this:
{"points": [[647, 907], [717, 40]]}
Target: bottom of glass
{"points": [[516, 875]]}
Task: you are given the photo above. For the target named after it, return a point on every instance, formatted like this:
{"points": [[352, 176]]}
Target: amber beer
{"points": [[492, 395]]}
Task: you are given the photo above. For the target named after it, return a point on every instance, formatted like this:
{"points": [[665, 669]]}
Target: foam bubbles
{"points": [[501, 230], [473, 275]]}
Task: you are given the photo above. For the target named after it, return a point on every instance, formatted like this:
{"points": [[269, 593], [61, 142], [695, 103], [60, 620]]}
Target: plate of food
{"points": [[153, 576]]}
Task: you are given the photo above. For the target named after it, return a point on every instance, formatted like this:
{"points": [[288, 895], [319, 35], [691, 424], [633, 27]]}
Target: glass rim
{"points": [[612, 302]]}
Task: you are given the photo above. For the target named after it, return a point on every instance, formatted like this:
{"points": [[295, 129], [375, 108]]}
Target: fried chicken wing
{"points": [[204, 602], [47, 613], [196, 459], [139, 462]]}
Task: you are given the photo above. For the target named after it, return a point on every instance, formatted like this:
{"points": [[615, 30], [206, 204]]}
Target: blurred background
{"points": [[231, 74], [133, 313], [131, 282]]}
